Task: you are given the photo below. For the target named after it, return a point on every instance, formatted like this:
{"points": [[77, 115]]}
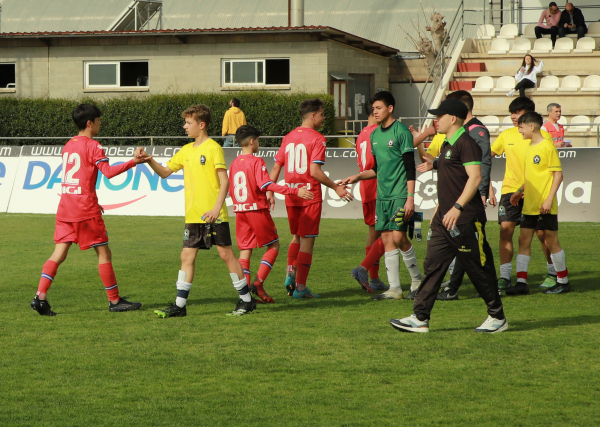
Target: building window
{"points": [[116, 74], [256, 72], [339, 89], [7, 76]]}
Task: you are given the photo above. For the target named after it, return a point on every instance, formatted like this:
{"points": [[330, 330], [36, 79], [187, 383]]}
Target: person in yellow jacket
{"points": [[234, 118]]}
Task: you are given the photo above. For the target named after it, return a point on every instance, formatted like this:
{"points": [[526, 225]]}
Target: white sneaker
{"points": [[415, 283], [410, 324], [492, 325], [392, 293], [511, 93]]}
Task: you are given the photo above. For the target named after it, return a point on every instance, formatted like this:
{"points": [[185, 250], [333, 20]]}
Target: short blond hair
{"points": [[200, 113]]}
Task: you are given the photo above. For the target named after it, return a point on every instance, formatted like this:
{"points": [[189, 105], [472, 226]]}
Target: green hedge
{"points": [[272, 113]]}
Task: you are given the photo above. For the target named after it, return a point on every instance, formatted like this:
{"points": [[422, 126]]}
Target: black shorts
{"points": [[540, 222], [204, 236], [508, 212]]}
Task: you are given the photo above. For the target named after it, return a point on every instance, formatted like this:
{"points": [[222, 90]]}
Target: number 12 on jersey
{"points": [[70, 183]]}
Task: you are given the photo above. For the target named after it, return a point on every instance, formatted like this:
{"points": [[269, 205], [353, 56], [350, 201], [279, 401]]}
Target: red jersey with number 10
{"points": [[366, 161], [299, 149]]}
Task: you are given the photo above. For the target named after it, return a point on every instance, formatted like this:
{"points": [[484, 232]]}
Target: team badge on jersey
{"points": [[264, 168], [536, 160], [202, 160], [448, 154], [501, 211], [391, 143]]}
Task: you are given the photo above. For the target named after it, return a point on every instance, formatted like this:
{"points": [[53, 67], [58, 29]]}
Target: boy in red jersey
{"points": [[254, 227], [79, 216], [302, 153]]}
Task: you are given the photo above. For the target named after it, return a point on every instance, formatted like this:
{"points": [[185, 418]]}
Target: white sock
{"points": [[183, 289], [241, 286], [410, 260], [550, 268], [451, 267], [558, 259], [522, 266], [392, 265], [506, 271]]}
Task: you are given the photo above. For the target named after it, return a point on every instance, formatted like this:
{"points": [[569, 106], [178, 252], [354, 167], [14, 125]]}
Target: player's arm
{"points": [[303, 192], [556, 181], [162, 171], [422, 134], [474, 173], [492, 195], [517, 195], [317, 173], [212, 215]]}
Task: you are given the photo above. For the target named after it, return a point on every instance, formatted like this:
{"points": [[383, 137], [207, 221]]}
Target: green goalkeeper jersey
{"points": [[388, 146]]}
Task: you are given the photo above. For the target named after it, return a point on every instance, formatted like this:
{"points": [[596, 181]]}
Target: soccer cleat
{"points": [[559, 288], [447, 295], [361, 276], [410, 324], [124, 305], [504, 284], [42, 307], [290, 285], [378, 285], [549, 281], [242, 307], [492, 325], [257, 289], [411, 294], [171, 311], [306, 293], [519, 289], [389, 294]]}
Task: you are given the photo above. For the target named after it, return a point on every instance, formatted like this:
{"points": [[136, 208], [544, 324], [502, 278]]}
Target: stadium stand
{"points": [[570, 84], [508, 31], [521, 46], [542, 46], [499, 47], [504, 84], [585, 45], [483, 84], [579, 120], [563, 45], [591, 84], [506, 123], [491, 122], [486, 32], [529, 31], [549, 84]]}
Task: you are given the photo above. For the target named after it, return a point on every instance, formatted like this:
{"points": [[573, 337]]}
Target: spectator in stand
{"points": [[572, 21], [553, 127], [552, 17], [527, 75], [234, 118]]}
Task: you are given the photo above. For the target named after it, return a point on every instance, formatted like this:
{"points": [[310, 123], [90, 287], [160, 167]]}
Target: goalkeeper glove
{"points": [[399, 217]]}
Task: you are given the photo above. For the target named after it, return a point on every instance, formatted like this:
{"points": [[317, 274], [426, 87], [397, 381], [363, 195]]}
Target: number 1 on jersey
{"points": [[363, 154]]}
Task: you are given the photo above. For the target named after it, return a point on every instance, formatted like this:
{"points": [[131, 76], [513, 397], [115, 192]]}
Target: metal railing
{"points": [[515, 16]]}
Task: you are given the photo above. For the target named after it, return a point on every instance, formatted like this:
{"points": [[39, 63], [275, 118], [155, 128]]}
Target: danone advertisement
{"points": [[30, 182]]}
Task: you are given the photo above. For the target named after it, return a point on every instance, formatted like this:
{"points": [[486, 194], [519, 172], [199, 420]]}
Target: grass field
{"points": [[328, 362]]}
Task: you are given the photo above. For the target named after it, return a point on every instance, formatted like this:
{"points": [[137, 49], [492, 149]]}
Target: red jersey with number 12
{"points": [[366, 161], [299, 149]]}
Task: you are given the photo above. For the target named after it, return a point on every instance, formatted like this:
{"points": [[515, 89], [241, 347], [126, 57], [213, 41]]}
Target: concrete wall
{"points": [[348, 59], [31, 69]]}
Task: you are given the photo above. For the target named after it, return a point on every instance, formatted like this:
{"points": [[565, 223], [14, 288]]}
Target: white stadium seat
{"points": [[563, 45], [585, 45], [521, 46], [506, 123], [548, 84], [491, 122], [483, 84], [570, 84], [584, 120], [529, 31], [486, 32], [509, 31], [596, 123], [505, 83], [562, 120], [593, 30], [591, 84], [542, 46], [499, 47]]}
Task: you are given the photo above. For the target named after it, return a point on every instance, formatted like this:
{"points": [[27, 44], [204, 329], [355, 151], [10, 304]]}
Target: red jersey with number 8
{"points": [[299, 149], [248, 181]]}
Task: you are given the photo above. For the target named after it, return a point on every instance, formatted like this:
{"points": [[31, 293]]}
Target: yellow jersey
{"points": [[200, 180], [541, 160], [436, 145], [511, 143]]}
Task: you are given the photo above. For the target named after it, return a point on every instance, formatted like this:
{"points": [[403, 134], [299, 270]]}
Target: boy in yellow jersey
{"points": [[206, 223], [543, 175]]}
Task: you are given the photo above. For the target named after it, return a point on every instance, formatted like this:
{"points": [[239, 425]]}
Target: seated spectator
{"points": [[552, 18], [527, 75], [553, 127], [572, 21]]}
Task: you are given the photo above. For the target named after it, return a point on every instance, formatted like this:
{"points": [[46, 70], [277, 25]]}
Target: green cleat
{"points": [[290, 285], [504, 284], [549, 281], [171, 311]]}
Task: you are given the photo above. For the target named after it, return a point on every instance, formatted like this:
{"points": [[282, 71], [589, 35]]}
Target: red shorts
{"points": [[88, 234], [369, 212], [255, 229], [304, 220]]}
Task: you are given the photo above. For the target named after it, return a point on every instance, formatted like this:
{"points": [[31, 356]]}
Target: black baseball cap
{"points": [[453, 107]]}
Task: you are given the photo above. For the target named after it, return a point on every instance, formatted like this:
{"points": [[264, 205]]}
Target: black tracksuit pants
{"points": [[471, 249]]}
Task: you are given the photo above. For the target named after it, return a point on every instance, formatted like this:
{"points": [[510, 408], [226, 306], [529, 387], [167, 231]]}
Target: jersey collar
{"points": [[456, 135]]}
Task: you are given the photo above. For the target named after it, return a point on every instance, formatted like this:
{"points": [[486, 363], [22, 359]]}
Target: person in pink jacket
{"points": [[552, 17]]}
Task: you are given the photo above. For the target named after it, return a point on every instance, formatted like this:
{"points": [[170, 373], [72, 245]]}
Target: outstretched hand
{"points": [[342, 191], [350, 180], [427, 165], [305, 194]]}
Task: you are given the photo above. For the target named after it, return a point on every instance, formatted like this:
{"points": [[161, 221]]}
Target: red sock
{"points": [[48, 273], [107, 274], [374, 255], [246, 267], [268, 260], [292, 255], [522, 276], [373, 271], [303, 267]]}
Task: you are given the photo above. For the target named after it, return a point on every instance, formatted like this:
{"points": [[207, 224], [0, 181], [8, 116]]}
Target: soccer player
{"points": [[511, 143], [394, 164], [206, 222], [543, 175], [254, 227], [79, 215], [455, 228], [368, 193], [302, 154]]}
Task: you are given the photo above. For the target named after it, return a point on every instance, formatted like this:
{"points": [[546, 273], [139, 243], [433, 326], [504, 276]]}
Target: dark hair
{"points": [[531, 67], [552, 4], [369, 107], [84, 113], [200, 113], [521, 103], [236, 102], [310, 106], [531, 117], [463, 96], [386, 97], [245, 133]]}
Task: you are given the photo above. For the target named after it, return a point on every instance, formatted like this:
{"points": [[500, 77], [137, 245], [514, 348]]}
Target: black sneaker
{"points": [[171, 311], [243, 307], [42, 307], [519, 289], [559, 288], [447, 295], [411, 294], [124, 305]]}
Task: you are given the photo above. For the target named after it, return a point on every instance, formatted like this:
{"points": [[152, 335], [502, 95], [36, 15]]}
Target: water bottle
{"points": [[453, 231], [418, 218]]}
